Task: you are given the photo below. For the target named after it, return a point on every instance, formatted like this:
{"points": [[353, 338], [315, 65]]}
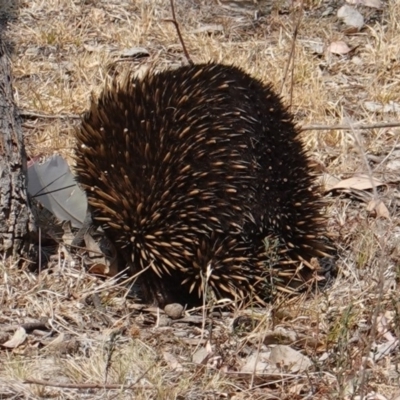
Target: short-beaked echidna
{"points": [[188, 171]]}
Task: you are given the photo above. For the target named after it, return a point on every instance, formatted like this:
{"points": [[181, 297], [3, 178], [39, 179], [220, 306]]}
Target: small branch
{"points": [[93, 385], [32, 114], [290, 62], [371, 338], [79, 385], [393, 124], [175, 22], [29, 326], [139, 379]]}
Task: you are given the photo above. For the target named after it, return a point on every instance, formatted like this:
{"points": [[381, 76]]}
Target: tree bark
{"points": [[16, 220]]}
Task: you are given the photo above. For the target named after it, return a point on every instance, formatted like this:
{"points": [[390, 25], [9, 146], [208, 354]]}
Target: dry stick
{"points": [[254, 372], [377, 309], [34, 114], [374, 322], [110, 347], [79, 385], [291, 59], [393, 124], [380, 286], [293, 52], [175, 22], [28, 327], [92, 385], [139, 378]]}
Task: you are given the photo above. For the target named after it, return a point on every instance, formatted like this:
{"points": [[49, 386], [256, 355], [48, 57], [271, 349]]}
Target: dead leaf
{"points": [[357, 61], [372, 3], [97, 48], [200, 356], [328, 181], [378, 206], [373, 106], [297, 389], [259, 363], [396, 396], [172, 361], [57, 341], [383, 328], [367, 3], [32, 51], [18, 338], [98, 262], [293, 360], [393, 165], [212, 28], [339, 47], [382, 350], [390, 107], [350, 17], [279, 336], [99, 269], [68, 235], [359, 182], [134, 52]]}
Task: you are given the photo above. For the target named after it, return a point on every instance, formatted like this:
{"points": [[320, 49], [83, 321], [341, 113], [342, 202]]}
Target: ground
{"points": [[78, 336]]}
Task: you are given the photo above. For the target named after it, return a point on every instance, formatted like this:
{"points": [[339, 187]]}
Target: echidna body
{"points": [[188, 171]]}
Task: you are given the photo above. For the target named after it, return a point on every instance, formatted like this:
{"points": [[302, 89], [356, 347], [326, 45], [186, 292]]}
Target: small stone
{"points": [[174, 310]]}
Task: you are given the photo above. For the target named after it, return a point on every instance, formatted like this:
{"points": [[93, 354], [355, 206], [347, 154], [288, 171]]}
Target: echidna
{"points": [[194, 174]]}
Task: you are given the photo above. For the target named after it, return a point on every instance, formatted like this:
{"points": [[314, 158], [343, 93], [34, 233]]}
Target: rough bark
{"points": [[16, 220]]}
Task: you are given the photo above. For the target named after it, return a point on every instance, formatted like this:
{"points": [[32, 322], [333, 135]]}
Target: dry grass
{"points": [[64, 51]]}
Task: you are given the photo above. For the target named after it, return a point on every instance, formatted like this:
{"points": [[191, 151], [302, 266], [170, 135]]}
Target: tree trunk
{"points": [[16, 220]]}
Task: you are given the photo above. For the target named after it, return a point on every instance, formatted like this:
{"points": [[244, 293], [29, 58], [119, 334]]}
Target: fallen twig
{"points": [[350, 126], [394, 124], [82, 385], [34, 114], [175, 22]]}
